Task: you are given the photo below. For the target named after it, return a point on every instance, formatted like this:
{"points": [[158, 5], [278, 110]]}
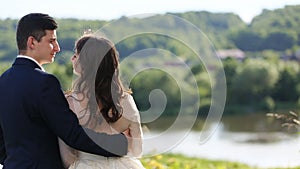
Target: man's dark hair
{"points": [[33, 24]]}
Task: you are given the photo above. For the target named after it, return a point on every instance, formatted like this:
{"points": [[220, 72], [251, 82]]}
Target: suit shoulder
{"points": [[43, 73], [47, 77]]}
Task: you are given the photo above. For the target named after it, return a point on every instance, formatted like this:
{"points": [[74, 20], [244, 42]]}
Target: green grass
{"points": [[177, 161]]}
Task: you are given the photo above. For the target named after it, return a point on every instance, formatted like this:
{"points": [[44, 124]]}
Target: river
{"points": [[255, 145]]}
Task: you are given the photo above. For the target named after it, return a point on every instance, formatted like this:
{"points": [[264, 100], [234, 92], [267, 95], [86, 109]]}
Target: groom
{"points": [[34, 111]]}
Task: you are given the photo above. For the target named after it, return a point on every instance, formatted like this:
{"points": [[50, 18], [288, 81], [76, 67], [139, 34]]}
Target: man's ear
{"points": [[30, 42]]}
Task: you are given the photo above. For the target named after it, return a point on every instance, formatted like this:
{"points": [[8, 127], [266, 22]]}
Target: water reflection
{"points": [[254, 140]]}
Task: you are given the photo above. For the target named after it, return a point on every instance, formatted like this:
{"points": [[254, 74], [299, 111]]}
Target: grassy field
{"points": [[176, 161]]}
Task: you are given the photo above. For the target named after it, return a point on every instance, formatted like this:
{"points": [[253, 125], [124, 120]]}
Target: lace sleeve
{"points": [[68, 154], [131, 113]]}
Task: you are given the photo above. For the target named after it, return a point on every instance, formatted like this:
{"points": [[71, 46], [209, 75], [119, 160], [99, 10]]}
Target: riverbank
{"points": [[261, 150], [178, 161]]}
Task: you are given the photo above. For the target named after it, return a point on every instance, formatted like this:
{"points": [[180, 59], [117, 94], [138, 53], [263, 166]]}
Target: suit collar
{"points": [[25, 60]]}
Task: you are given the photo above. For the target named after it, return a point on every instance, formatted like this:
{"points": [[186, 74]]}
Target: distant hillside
{"points": [[273, 30], [215, 25], [276, 30], [285, 19]]}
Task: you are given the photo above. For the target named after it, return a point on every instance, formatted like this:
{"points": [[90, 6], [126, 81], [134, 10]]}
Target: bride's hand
{"points": [[127, 133], [129, 138]]}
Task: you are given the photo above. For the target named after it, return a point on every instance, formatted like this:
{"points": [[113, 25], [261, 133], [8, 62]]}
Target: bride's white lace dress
{"points": [[90, 161]]}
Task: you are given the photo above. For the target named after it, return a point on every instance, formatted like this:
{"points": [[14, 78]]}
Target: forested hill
{"points": [[217, 26], [273, 29], [286, 19], [225, 30]]}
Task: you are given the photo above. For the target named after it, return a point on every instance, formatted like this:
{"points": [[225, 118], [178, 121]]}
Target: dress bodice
{"points": [[131, 114]]}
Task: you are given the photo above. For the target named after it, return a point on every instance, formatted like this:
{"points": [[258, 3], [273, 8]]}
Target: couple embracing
{"points": [[95, 125]]}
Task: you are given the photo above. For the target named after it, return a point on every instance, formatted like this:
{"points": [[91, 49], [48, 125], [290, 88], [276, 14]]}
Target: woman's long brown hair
{"points": [[99, 77]]}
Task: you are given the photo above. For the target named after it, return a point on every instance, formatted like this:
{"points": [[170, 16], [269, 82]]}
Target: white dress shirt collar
{"points": [[30, 58]]}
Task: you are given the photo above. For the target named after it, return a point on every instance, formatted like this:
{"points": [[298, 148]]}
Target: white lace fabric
{"points": [[90, 161]]}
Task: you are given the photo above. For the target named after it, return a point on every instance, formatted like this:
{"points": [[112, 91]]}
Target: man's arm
{"points": [[63, 122], [2, 148]]}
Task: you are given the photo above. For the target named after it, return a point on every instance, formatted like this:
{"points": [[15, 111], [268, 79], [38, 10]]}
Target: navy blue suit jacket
{"points": [[34, 113]]}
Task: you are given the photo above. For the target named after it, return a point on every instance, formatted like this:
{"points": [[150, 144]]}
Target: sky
{"points": [[114, 9]]}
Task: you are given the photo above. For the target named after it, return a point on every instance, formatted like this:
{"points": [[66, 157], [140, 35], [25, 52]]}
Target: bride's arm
{"points": [[68, 154], [130, 121], [136, 149], [134, 131]]}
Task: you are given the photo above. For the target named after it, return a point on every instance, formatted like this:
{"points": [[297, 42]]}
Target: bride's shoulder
{"points": [[129, 107], [73, 98], [69, 95], [127, 97], [73, 95]]}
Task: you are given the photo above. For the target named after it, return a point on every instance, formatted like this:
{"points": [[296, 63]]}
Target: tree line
{"points": [[261, 82]]}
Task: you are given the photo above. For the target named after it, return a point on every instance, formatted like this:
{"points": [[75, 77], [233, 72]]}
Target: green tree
{"points": [[230, 66], [253, 81], [62, 72], [287, 86], [279, 41], [248, 40], [146, 81], [4, 66]]}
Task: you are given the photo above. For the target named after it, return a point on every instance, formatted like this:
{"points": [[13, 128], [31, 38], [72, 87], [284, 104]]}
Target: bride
{"points": [[101, 103]]}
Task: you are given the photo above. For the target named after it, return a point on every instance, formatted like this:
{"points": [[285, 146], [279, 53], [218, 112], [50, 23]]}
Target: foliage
{"points": [[263, 81], [7, 39], [247, 40], [175, 161], [288, 120], [4, 66], [216, 26], [255, 79], [251, 40], [268, 104], [62, 73], [225, 30], [278, 20], [289, 76], [279, 41], [143, 86], [276, 30], [178, 161]]}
